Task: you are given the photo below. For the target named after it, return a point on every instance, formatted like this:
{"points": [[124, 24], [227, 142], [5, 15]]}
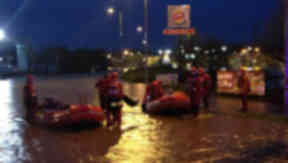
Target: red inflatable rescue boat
{"points": [[177, 103], [73, 116]]}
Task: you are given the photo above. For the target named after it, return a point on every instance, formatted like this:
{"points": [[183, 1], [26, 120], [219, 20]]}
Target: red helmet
{"points": [[157, 82], [29, 78], [114, 75], [242, 71], [201, 70], [193, 68]]}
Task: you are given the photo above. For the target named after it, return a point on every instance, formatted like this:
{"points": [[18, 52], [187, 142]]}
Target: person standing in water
{"points": [[30, 97], [206, 84], [194, 89], [244, 87]]}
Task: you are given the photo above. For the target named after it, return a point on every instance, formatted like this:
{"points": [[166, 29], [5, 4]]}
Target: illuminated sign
{"points": [[179, 16], [190, 31], [228, 82]]}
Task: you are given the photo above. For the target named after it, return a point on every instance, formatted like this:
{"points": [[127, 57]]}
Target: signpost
{"points": [[190, 31], [179, 21]]}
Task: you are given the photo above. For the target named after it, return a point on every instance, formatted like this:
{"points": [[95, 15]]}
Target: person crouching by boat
{"points": [[193, 85], [30, 97], [206, 85], [153, 91], [114, 100]]}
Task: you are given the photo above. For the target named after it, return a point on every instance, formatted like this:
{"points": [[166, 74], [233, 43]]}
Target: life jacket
{"points": [[114, 96], [207, 81], [114, 90], [244, 84], [194, 90], [29, 90], [153, 91], [193, 84]]}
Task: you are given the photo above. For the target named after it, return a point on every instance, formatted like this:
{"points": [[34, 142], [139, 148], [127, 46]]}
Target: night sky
{"points": [[84, 24]]}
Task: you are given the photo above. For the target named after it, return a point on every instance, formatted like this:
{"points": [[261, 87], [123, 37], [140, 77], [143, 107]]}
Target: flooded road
{"points": [[142, 138]]}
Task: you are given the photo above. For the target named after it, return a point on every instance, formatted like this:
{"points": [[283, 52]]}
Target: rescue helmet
{"points": [[157, 82], [201, 70], [29, 78], [114, 75]]}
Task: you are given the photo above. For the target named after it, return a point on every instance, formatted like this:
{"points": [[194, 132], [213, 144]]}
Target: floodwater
{"points": [[142, 138]]}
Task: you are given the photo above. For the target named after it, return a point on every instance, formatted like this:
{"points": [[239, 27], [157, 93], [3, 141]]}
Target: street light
{"points": [[139, 29], [144, 42], [146, 37], [182, 51], [168, 51], [257, 49], [244, 51], [110, 11], [160, 51], [224, 48], [109, 56], [166, 58], [196, 48], [2, 34], [192, 56], [249, 48], [126, 52], [22, 58]]}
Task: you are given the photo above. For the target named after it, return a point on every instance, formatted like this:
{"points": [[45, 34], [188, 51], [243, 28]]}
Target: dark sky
{"points": [[80, 24]]}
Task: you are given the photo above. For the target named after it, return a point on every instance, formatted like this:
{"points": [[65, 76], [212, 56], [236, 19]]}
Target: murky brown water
{"points": [[142, 138]]}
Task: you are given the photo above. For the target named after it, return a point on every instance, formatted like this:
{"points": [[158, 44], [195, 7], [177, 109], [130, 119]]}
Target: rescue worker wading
{"points": [[244, 86], [114, 101], [29, 97], [101, 85], [194, 89], [206, 85]]}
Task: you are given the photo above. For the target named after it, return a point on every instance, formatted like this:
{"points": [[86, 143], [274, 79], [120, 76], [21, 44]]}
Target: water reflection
{"points": [[135, 91], [140, 141], [12, 127]]}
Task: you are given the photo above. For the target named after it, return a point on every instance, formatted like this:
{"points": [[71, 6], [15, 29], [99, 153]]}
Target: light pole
{"points": [[2, 35], [146, 44], [21, 52], [111, 11], [139, 29]]}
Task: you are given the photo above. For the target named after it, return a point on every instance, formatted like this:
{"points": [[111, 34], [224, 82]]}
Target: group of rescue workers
{"points": [[198, 86]]}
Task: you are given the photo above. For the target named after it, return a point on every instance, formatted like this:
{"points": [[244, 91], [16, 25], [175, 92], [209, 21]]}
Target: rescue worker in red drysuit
{"points": [[194, 90], [30, 97], [101, 85], [153, 91], [114, 98], [244, 86], [206, 85]]}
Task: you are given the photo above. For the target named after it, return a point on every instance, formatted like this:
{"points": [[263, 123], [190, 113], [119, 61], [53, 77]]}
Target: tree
{"points": [[273, 37]]}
